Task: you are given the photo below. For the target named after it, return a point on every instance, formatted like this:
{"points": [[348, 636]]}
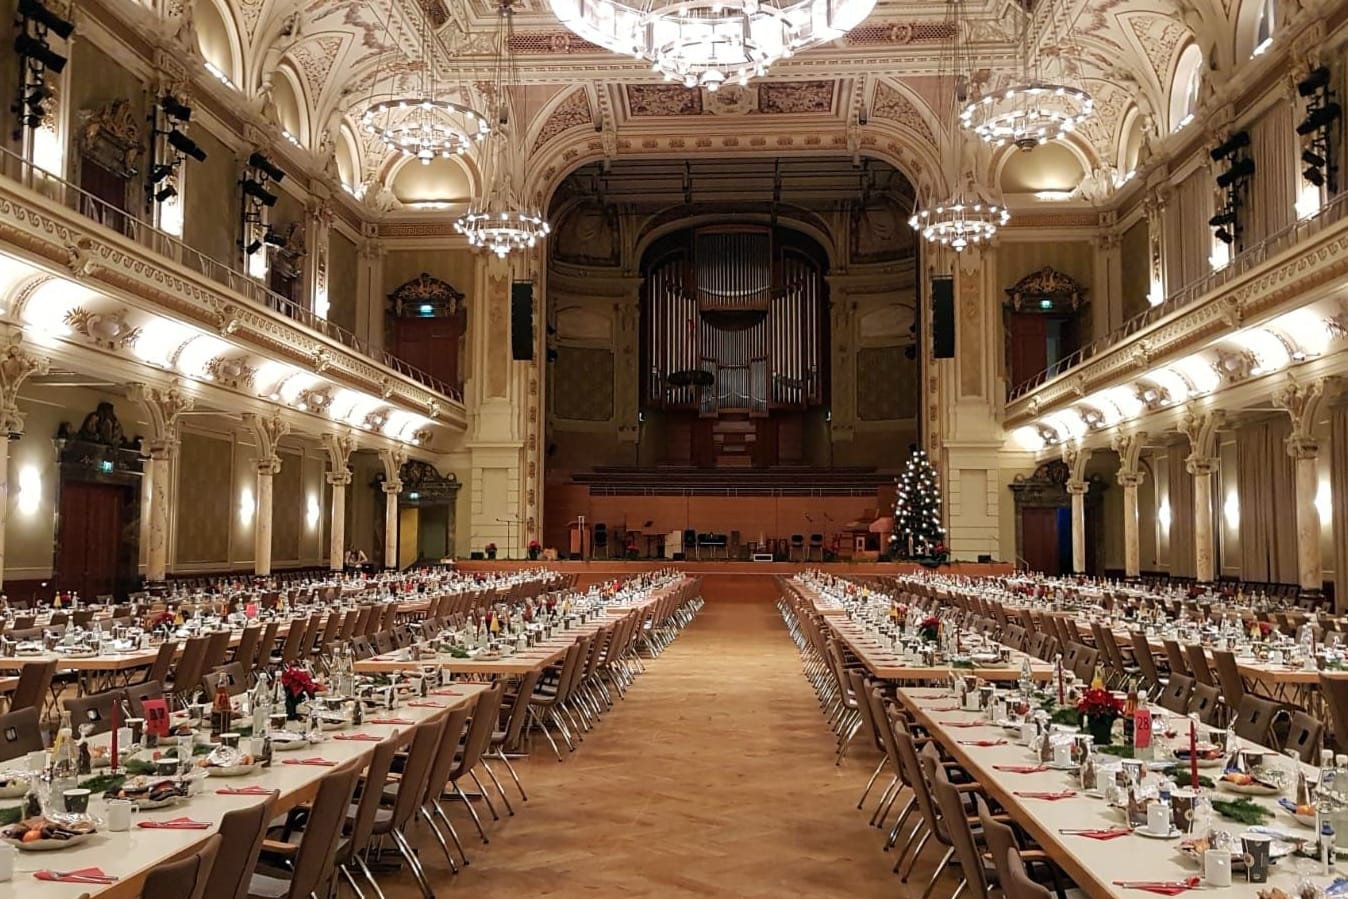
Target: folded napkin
{"points": [[982, 742], [174, 824], [243, 791], [390, 721], [1160, 887], [1040, 794], [1021, 769], [368, 738], [1099, 834], [313, 761], [83, 875], [446, 693], [426, 705], [964, 724]]}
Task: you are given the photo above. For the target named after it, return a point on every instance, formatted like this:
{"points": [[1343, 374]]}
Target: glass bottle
{"points": [[221, 712]]}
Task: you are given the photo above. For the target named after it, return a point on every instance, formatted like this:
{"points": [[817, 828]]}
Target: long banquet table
{"points": [[1093, 864], [131, 855]]}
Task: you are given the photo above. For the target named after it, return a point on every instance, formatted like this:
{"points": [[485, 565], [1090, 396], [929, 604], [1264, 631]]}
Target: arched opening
{"points": [[1184, 87]]}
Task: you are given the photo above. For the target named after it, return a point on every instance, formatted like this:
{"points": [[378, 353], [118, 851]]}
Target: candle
{"points": [[1193, 754], [116, 725], [1062, 693]]}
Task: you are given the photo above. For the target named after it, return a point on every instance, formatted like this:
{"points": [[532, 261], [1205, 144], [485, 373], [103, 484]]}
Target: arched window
{"points": [[1184, 87], [1263, 30]]}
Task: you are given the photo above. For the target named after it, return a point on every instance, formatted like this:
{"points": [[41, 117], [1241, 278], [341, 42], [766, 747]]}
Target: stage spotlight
{"points": [[166, 193], [1314, 176], [1225, 236], [263, 164], [35, 10], [37, 50], [160, 172], [1238, 172], [1237, 141], [1223, 218], [174, 109], [253, 247], [186, 146], [275, 239], [259, 193], [1310, 157], [1318, 119], [1316, 80]]}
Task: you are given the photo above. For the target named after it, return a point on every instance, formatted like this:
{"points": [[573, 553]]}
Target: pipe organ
{"points": [[734, 320]]}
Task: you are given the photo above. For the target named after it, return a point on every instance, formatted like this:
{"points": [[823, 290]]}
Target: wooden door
{"points": [[108, 187], [1039, 538], [1026, 346], [90, 538]]}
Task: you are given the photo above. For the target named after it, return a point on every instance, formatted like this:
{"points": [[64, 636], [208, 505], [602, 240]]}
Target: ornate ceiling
{"points": [[311, 65]]}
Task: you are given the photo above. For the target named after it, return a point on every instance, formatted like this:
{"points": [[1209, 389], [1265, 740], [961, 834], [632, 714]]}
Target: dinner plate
{"points": [[231, 770], [1174, 832], [1290, 808], [288, 745], [1064, 766], [13, 787], [47, 845], [1253, 789]]}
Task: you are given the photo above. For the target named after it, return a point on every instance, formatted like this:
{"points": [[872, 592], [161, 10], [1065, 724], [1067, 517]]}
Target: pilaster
{"points": [[162, 407], [393, 460], [1130, 477], [267, 431], [16, 366], [339, 448], [1201, 428], [1301, 400]]}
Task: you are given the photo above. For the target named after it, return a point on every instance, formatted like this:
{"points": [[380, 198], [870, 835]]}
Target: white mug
{"points": [[1158, 818], [1028, 732], [971, 701], [8, 854], [1217, 867], [1062, 753], [119, 813]]}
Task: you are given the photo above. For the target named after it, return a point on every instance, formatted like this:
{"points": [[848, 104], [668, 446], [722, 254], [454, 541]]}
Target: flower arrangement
{"points": [[299, 685], [490, 550], [1099, 709], [535, 549], [159, 620], [930, 629]]}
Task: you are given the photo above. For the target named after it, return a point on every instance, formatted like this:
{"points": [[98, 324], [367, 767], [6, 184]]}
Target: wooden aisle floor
{"points": [[714, 778]]}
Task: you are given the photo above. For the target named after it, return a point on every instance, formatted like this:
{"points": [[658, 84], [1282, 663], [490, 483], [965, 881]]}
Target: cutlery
{"points": [[84, 875]]}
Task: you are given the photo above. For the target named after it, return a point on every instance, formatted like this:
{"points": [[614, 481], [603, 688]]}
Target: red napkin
{"points": [[1032, 794], [964, 724], [1099, 834], [426, 705], [446, 693], [1021, 769], [313, 761], [83, 875], [391, 721], [243, 791], [1160, 887], [369, 738], [982, 742], [174, 824]]}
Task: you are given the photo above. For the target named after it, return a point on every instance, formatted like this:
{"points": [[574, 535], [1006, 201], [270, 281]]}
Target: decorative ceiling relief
{"points": [[662, 100], [551, 42], [1158, 39], [901, 33], [889, 103], [572, 112], [315, 58], [796, 96]]}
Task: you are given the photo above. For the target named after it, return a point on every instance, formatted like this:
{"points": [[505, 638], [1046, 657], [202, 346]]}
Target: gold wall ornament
{"points": [[426, 296], [109, 330], [1030, 292], [111, 137]]}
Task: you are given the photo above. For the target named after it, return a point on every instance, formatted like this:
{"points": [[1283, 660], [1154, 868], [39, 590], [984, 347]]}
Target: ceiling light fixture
{"points": [[706, 43], [496, 220]]}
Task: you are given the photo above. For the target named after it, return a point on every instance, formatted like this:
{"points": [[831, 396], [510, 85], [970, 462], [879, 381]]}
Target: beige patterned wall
{"points": [[886, 384], [586, 393], [288, 508], [205, 499]]}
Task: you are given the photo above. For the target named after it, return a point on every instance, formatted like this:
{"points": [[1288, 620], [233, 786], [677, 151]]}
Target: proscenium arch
{"points": [[648, 237]]}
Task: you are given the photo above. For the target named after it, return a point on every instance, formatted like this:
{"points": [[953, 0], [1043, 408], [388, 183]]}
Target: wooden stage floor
{"points": [[730, 580]]}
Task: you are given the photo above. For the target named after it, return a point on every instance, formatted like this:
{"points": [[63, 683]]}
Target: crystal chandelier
{"points": [[1034, 111], [420, 122], [496, 220], [965, 217], [709, 42]]}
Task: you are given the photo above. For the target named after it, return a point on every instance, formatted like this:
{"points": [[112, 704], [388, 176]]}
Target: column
{"points": [[1304, 451], [1155, 204], [1132, 553], [267, 432], [317, 231], [391, 491], [1077, 491], [158, 482], [16, 364], [339, 447], [15, 425], [1202, 468]]}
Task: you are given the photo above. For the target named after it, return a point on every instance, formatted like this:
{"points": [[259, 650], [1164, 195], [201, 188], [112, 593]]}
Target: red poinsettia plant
{"points": [[1100, 703], [299, 683], [930, 628], [162, 619]]}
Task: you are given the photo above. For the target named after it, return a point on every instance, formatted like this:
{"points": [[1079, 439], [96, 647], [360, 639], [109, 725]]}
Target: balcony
{"points": [[48, 217]]}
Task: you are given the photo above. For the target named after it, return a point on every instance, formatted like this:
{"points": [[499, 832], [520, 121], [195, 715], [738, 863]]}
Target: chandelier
{"points": [[965, 217], [709, 42], [496, 220], [420, 122], [1034, 111]]}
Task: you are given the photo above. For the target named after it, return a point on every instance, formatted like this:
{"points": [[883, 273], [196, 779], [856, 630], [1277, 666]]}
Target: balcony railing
{"points": [[1245, 261], [161, 243]]}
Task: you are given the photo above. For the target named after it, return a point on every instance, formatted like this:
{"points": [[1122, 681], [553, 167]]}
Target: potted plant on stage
{"points": [[299, 685], [490, 550], [535, 550], [1099, 710]]}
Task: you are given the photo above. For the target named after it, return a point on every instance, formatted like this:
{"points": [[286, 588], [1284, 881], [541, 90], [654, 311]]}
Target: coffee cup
{"points": [[1028, 732], [8, 855], [76, 801], [1158, 818], [1217, 867], [1062, 753], [1256, 847], [1182, 808], [118, 812]]}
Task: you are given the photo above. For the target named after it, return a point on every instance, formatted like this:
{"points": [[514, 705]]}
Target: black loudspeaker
{"points": [[522, 321], [943, 318], [984, 558]]}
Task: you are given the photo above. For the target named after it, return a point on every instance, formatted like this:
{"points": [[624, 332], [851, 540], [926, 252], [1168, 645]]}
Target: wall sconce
{"points": [[1324, 502], [1231, 510], [247, 506], [311, 512], [1163, 515], [29, 499]]}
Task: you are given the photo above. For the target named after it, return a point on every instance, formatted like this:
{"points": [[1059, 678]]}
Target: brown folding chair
{"points": [[1198, 665], [34, 681], [310, 864], [95, 711], [136, 694], [1254, 719], [186, 878], [1176, 696], [235, 678], [20, 733], [243, 830]]}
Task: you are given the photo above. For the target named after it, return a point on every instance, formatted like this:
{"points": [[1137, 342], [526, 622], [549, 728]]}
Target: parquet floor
{"points": [[714, 777]]}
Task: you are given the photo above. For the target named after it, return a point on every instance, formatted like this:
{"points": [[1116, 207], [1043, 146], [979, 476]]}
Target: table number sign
{"points": [[156, 717], [1142, 734]]}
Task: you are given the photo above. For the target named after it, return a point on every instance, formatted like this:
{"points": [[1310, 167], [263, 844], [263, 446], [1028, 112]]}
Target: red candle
{"points": [[1193, 754], [115, 727], [1062, 693]]}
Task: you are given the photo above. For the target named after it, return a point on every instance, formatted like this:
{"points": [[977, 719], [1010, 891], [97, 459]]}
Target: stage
{"points": [[731, 580]]}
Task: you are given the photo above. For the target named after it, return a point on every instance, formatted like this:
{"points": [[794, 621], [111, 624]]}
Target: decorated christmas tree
{"points": [[918, 533]]}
